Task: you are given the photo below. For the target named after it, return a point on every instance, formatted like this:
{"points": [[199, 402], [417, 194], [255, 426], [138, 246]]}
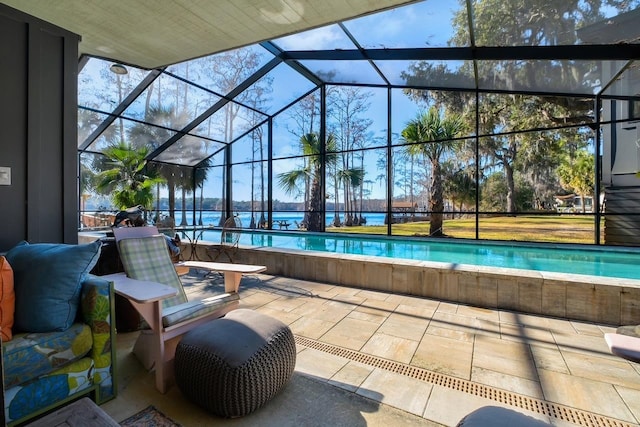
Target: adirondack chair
{"points": [[145, 259]]}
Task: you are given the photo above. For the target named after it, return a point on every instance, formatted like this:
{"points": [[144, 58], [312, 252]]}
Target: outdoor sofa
{"points": [[62, 342]]}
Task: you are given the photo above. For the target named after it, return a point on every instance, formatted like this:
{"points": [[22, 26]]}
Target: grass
{"points": [[553, 229]]}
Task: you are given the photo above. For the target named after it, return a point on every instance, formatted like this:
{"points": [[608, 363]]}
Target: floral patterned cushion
{"points": [[27, 398], [28, 356]]}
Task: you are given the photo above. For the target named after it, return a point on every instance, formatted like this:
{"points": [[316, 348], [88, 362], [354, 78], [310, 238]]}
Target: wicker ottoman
{"points": [[233, 365]]}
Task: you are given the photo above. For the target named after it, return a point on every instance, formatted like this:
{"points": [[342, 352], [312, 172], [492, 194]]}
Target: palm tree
{"points": [[310, 174], [431, 135], [153, 136], [127, 180], [201, 175]]}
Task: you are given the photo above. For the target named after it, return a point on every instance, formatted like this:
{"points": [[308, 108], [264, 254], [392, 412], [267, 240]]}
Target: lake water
{"points": [[211, 218]]}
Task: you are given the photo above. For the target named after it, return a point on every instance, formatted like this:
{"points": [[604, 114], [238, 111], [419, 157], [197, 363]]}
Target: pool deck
{"points": [[432, 360]]}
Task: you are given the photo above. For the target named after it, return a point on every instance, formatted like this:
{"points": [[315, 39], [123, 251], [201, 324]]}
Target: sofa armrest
{"points": [[97, 307]]}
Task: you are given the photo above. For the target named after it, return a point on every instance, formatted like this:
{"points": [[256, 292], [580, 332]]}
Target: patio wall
{"points": [[39, 128], [577, 297]]}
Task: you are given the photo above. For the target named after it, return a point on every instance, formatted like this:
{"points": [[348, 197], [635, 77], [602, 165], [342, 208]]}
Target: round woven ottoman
{"points": [[233, 365]]}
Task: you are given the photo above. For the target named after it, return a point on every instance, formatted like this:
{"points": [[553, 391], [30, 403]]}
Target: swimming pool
{"points": [[570, 259], [595, 284]]}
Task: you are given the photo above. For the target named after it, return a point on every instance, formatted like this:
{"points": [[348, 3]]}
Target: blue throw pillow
{"points": [[47, 281]]}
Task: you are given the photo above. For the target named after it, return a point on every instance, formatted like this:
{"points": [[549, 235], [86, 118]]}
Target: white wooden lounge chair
{"points": [[147, 261]]}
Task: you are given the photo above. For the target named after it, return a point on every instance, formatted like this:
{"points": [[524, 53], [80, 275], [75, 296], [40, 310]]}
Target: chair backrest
{"points": [[149, 230], [147, 258], [131, 232]]}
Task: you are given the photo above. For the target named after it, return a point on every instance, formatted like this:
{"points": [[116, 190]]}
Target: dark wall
{"points": [[38, 130]]}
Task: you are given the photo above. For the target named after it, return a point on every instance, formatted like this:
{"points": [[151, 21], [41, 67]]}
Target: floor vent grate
{"points": [[553, 410]]}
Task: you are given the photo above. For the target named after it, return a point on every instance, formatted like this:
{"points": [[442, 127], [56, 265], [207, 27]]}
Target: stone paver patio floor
{"points": [[440, 360]]}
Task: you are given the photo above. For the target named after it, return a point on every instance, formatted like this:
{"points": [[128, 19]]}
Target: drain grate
{"points": [[560, 412]]}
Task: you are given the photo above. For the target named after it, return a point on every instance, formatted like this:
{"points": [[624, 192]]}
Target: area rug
{"points": [[149, 417]]}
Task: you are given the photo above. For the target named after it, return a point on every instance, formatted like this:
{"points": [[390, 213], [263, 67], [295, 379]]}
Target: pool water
{"points": [[573, 259]]}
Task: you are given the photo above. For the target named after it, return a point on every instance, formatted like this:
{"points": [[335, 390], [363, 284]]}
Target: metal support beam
{"points": [[497, 53]]}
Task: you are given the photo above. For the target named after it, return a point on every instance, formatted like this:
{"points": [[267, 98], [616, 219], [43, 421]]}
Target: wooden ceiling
{"points": [[155, 33]]}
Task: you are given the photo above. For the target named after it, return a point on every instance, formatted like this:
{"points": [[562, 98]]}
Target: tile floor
{"points": [[431, 360]]}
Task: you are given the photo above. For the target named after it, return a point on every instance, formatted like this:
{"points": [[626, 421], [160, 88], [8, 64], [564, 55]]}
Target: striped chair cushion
{"points": [[147, 258], [192, 309]]}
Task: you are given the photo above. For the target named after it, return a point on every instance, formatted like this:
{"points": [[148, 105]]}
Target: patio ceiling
{"points": [[152, 33]]}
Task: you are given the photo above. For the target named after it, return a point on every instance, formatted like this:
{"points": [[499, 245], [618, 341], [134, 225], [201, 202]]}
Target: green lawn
{"points": [[557, 229]]}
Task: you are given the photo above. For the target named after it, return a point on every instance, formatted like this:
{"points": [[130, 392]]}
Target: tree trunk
{"points": [[360, 221], [171, 188], [411, 180], [263, 221], [453, 208], [184, 207], [157, 202], [354, 207], [201, 202], [315, 205], [436, 204], [252, 224], [308, 195], [348, 220], [511, 189], [336, 211]]}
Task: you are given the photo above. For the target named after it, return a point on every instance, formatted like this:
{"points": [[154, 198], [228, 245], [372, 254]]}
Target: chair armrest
{"points": [[95, 302], [625, 346], [97, 307]]}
